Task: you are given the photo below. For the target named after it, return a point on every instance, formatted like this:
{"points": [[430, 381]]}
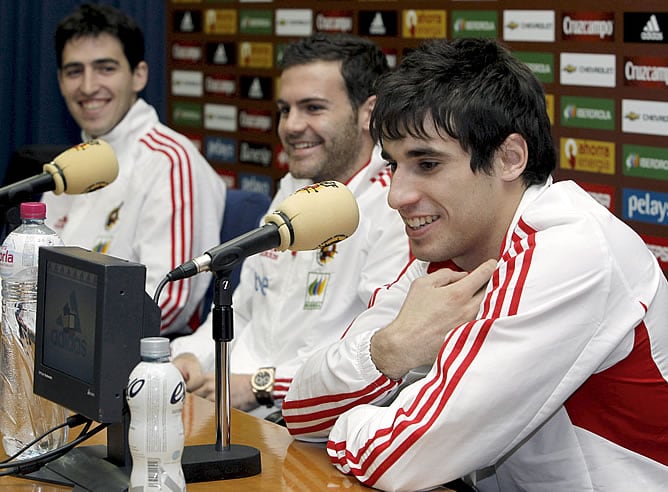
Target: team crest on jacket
{"points": [[60, 223], [316, 287], [112, 218], [384, 177], [102, 244], [326, 254]]}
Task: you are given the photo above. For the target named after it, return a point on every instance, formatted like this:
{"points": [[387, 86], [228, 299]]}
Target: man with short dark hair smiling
{"points": [[166, 205]]}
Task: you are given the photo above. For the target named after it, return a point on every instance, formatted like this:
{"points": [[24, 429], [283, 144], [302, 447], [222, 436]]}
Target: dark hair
{"points": [[93, 20], [362, 62], [477, 93]]}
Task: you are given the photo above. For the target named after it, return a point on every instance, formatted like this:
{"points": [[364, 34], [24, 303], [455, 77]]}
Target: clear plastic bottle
{"points": [[155, 395], [24, 415]]}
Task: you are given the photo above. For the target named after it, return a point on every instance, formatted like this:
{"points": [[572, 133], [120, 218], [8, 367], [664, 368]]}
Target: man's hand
{"points": [[241, 394], [204, 385], [435, 304], [191, 370]]}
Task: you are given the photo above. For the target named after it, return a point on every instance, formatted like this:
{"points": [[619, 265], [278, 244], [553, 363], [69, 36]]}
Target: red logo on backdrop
{"points": [[230, 177], [223, 84], [603, 194], [334, 21], [391, 55], [588, 26], [646, 71], [196, 140], [187, 52], [281, 158], [658, 246], [258, 120]]}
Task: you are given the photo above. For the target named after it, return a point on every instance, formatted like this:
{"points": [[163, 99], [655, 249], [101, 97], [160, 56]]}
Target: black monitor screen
{"points": [[69, 321], [92, 311]]}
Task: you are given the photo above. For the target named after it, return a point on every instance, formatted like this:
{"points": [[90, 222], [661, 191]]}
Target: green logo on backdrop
{"points": [[474, 24], [256, 21], [541, 64], [645, 162], [280, 48], [187, 114], [588, 112]]}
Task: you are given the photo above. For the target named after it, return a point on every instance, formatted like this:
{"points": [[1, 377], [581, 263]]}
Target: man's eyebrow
{"points": [[424, 151], [416, 152], [306, 100], [99, 61]]}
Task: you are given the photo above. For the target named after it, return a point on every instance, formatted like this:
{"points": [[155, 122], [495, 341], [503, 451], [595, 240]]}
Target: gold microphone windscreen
{"points": [[316, 216], [86, 167]]}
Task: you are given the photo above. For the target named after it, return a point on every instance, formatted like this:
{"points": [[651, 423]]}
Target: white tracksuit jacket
{"points": [[288, 304], [165, 206], [560, 383]]}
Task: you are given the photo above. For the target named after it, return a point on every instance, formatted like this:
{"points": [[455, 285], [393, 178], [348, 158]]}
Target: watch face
{"points": [[262, 379], [262, 385]]}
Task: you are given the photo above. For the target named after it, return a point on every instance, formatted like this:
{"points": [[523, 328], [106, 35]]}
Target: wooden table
{"points": [[287, 464]]}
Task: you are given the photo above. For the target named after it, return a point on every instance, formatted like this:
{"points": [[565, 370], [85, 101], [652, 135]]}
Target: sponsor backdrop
{"points": [[604, 66]]}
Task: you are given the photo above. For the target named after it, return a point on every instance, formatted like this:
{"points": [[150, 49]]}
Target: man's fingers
{"points": [[479, 277], [194, 383], [206, 390], [188, 365], [445, 276], [474, 280]]}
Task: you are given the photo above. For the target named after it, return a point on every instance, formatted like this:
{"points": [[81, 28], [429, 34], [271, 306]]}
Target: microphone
{"points": [[312, 217], [83, 168]]}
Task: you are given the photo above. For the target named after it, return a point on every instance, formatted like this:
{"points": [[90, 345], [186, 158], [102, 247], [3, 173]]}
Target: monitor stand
{"points": [[95, 468], [89, 468], [85, 468]]}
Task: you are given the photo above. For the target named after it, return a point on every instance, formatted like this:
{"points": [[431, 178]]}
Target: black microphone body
{"points": [[226, 256], [26, 188]]}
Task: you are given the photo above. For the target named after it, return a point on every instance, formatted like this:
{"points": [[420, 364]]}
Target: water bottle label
{"points": [[19, 251], [7, 260], [155, 396], [179, 394]]}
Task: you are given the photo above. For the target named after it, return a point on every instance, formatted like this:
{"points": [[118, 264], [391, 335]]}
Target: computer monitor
{"points": [[92, 310]]}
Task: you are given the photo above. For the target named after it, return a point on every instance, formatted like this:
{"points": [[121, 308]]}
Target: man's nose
{"points": [[89, 83], [403, 191], [293, 122]]}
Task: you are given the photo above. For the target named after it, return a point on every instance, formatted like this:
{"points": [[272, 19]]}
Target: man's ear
{"points": [[60, 80], [140, 76], [512, 157], [364, 112]]}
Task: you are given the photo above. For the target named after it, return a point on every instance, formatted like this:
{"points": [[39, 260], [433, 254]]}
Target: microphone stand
{"points": [[222, 330], [223, 460]]}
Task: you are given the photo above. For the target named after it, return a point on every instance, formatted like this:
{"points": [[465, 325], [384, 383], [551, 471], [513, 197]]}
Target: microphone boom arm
{"points": [[24, 189], [229, 254], [265, 238]]}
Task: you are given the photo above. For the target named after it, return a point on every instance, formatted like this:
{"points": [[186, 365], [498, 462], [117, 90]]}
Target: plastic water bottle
{"points": [[155, 395], [24, 415]]}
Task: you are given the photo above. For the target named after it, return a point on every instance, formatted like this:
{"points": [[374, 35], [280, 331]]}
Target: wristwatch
{"points": [[262, 384]]}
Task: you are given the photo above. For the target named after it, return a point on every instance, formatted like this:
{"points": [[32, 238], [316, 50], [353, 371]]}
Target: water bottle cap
{"points": [[154, 347], [33, 210]]}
